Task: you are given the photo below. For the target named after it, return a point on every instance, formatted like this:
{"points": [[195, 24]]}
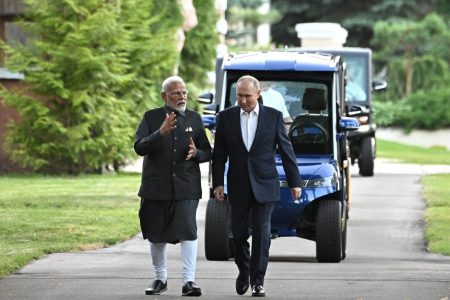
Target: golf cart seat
{"points": [[309, 131]]}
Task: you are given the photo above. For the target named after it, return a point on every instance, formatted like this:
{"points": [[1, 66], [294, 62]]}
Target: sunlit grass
{"points": [[413, 154], [41, 215], [437, 215]]}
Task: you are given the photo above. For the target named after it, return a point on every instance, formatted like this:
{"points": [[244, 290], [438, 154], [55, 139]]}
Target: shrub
{"points": [[427, 110], [422, 110]]}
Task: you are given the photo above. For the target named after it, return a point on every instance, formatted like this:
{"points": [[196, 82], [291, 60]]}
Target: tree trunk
{"points": [[409, 70]]}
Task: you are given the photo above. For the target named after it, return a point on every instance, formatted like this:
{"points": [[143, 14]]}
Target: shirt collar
{"points": [[255, 110]]}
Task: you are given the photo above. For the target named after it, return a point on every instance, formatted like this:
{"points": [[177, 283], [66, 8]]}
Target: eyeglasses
{"points": [[178, 93]]}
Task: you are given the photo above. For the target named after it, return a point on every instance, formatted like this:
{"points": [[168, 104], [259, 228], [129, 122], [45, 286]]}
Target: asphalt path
{"points": [[386, 257]]}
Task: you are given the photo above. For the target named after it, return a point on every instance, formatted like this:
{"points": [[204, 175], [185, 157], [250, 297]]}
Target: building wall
{"points": [[9, 11], [10, 7], [8, 114]]}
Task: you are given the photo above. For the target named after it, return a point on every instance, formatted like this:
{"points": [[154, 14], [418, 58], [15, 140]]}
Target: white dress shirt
{"points": [[249, 122], [275, 99]]}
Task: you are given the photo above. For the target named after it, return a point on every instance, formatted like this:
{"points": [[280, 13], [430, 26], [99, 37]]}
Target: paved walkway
{"points": [[383, 165], [123, 270]]}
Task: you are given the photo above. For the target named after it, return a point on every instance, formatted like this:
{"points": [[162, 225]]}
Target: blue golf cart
{"points": [[312, 89]]}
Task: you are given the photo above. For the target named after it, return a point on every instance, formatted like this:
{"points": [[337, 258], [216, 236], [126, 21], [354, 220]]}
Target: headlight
{"points": [[321, 182], [312, 183], [283, 183]]}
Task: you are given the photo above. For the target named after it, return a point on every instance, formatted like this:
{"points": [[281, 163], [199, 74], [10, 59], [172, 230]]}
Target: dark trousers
{"points": [[257, 216]]}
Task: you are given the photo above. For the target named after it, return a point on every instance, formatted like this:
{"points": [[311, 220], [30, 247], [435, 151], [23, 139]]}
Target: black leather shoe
{"points": [[156, 287], [242, 284], [258, 291], [191, 289]]}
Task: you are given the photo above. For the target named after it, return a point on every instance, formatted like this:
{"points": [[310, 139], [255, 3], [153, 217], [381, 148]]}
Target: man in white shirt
{"points": [[275, 99], [246, 137]]}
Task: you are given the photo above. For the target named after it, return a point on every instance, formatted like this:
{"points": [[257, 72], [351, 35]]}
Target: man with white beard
{"points": [[173, 141]]}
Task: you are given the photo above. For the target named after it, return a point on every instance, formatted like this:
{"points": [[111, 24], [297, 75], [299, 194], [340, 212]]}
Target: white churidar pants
{"points": [[188, 258]]}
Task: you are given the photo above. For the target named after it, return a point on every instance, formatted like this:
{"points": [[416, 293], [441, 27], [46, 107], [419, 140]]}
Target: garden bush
{"points": [[422, 110]]}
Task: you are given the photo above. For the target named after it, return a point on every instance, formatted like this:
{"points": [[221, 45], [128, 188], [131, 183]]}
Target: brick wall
{"points": [[6, 115]]}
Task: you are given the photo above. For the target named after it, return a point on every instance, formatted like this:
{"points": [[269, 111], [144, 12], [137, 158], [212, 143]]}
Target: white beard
{"points": [[177, 108]]}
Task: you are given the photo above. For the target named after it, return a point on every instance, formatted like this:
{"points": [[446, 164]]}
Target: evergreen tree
{"points": [[152, 52], [89, 67], [358, 17], [244, 18], [199, 51], [414, 53]]}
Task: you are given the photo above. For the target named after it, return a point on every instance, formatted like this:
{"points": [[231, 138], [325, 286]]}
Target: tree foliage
{"points": [[151, 51], [414, 54], [418, 71], [90, 66], [425, 109], [358, 17], [244, 17], [199, 51]]}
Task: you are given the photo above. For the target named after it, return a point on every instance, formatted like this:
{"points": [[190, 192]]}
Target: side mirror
{"points": [[209, 121], [211, 109], [378, 85], [206, 98], [355, 110], [348, 124]]}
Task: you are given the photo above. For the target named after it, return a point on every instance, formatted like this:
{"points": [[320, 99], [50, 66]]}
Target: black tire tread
{"points": [[366, 158], [328, 232], [217, 244]]}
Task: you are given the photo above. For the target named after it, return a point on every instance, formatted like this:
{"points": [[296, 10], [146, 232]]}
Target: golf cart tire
{"points": [[344, 237], [366, 157], [329, 232], [217, 234]]}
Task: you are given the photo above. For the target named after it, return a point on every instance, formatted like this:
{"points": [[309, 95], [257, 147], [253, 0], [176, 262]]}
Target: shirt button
{"points": [[174, 150], [175, 138], [173, 174], [174, 162]]}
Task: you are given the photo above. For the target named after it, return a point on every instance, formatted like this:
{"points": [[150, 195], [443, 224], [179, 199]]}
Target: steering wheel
{"points": [[310, 132]]}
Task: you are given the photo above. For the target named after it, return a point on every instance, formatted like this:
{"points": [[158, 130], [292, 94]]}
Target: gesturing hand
{"points": [[192, 149], [168, 124]]}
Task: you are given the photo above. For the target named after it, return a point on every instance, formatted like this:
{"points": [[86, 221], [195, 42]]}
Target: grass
{"points": [[437, 215], [413, 154], [436, 189], [41, 215]]}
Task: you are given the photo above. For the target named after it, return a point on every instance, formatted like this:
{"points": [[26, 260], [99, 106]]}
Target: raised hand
{"points": [[169, 124], [192, 149]]}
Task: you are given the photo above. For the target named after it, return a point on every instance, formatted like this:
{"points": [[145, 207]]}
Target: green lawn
{"points": [[41, 215], [437, 215], [413, 154], [436, 190]]}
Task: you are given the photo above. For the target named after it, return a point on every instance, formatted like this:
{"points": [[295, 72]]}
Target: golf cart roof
{"points": [[281, 61]]}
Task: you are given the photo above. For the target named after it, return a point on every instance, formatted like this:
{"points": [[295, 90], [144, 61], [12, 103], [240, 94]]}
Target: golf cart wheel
{"points": [[217, 233], [366, 157], [329, 231], [346, 188], [344, 237]]}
